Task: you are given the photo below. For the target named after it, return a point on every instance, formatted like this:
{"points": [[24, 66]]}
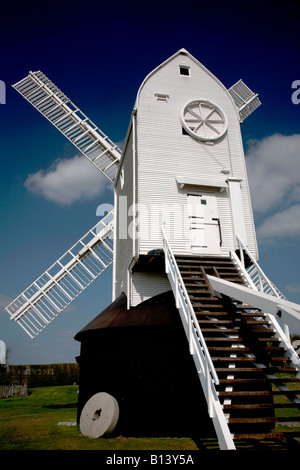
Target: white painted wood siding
{"points": [[147, 285], [164, 152], [159, 157], [124, 198]]}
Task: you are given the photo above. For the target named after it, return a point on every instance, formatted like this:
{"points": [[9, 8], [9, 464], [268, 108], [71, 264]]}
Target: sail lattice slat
{"points": [[245, 100], [70, 275], [54, 105]]}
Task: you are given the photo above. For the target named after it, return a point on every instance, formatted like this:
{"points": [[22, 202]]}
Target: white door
{"points": [[204, 224]]}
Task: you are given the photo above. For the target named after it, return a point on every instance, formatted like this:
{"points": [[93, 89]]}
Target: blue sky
{"points": [[99, 55]]}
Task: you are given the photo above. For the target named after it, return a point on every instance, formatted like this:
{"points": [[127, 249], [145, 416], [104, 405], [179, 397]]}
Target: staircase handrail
{"points": [[248, 274], [198, 348], [185, 304], [256, 274]]}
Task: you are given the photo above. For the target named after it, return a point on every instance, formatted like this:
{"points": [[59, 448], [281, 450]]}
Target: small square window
{"points": [[184, 70]]}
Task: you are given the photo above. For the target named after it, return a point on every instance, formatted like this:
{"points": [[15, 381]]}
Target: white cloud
{"points": [[4, 301], [282, 224], [295, 288], [273, 166], [66, 336], [68, 181]]}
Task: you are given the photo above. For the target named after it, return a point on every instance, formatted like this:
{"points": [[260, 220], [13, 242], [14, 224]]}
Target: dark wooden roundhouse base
{"points": [[140, 356]]}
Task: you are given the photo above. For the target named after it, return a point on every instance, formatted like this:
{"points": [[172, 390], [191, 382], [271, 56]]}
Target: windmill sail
{"points": [[245, 100], [70, 275], [71, 122]]}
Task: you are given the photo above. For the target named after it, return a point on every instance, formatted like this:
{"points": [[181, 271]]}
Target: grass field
{"points": [[31, 423]]}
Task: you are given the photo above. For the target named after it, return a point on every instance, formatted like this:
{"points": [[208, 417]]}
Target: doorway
{"points": [[204, 224]]}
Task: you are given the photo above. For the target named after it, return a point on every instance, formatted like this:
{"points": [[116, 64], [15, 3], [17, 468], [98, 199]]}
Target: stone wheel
{"points": [[99, 416]]}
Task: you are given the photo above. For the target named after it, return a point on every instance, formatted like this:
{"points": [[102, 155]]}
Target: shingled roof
{"points": [[157, 311]]}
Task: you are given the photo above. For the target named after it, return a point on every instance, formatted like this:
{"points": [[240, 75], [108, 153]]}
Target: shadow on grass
{"points": [[57, 407]]}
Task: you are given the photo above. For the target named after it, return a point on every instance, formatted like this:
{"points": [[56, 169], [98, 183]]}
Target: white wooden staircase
{"points": [[251, 371]]}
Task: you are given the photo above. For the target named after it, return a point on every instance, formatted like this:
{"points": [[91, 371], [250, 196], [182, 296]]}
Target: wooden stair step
{"points": [[258, 393], [224, 348], [196, 283], [242, 381], [261, 333], [286, 369], [193, 273], [220, 330], [279, 359], [255, 406], [187, 275], [204, 301], [252, 420], [226, 270], [258, 322], [211, 306], [228, 267], [264, 436], [220, 311], [231, 370], [202, 287], [202, 261], [250, 314], [209, 301], [188, 269], [232, 359], [273, 348], [213, 314], [224, 338], [214, 322]]}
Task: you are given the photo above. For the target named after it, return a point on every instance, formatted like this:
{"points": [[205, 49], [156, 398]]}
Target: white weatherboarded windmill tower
{"points": [[184, 165], [182, 221]]}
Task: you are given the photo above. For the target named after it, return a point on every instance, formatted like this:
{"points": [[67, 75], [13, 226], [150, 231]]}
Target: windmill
{"points": [[3, 353], [182, 222]]}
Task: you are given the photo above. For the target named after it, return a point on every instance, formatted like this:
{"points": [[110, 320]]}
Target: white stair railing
{"points": [[198, 348], [256, 279], [256, 274]]}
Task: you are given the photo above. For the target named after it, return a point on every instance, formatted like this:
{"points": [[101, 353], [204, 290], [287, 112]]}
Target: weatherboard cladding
{"points": [[146, 285], [163, 151], [124, 244]]}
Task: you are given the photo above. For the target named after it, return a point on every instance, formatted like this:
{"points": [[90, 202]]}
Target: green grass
{"points": [[31, 423]]}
